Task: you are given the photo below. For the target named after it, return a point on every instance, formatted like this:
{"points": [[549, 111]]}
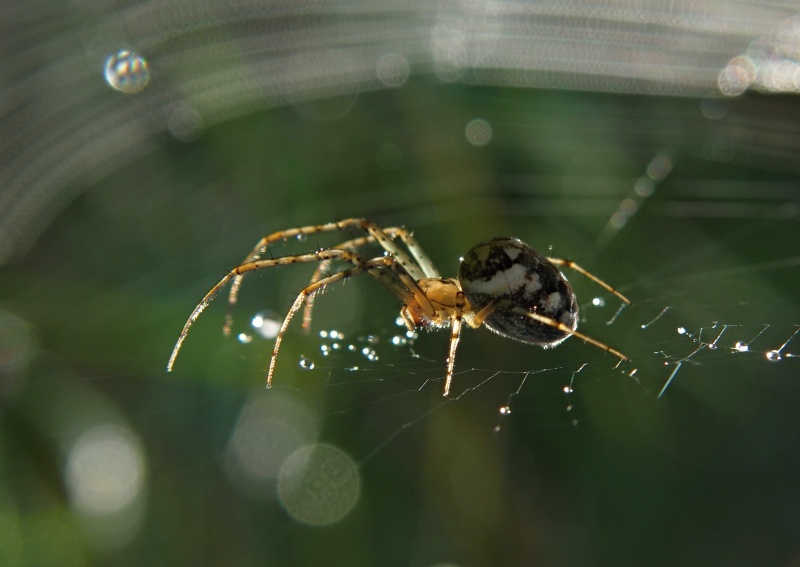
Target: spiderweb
{"points": [[708, 261], [680, 343], [146, 149]]}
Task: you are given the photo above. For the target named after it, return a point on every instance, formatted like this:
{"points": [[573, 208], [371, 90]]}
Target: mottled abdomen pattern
{"points": [[512, 276]]}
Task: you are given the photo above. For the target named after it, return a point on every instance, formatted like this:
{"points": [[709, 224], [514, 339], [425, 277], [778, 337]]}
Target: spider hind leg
{"points": [[569, 331]]}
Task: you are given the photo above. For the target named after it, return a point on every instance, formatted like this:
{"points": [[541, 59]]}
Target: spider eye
{"points": [[516, 279]]}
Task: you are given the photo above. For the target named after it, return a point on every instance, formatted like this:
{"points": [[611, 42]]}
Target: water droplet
{"points": [[127, 72], [478, 132], [370, 354], [244, 338], [774, 356], [372, 339], [741, 347], [681, 330], [397, 340], [618, 220], [184, 123], [628, 207], [265, 324], [712, 346], [505, 410], [318, 484], [351, 347], [569, 407], [568, 389], [334, 334], [353, 368], [399, 322], [306, 363], [644, 187], [336, 346], [301, 237], [323, 334], [599, 302], [325, 349], [412, 335], [393, 70]]}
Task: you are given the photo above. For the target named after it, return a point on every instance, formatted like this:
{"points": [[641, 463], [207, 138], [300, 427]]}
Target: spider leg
{"points": [[567, 329], [383, 268], [419, 256], [477, 318], [374, 230], [407, 318], [420, 267], [239, 272], [422, 260], [351, 245], [370, 266], [595, 279], [455, 335], [397, 280]]}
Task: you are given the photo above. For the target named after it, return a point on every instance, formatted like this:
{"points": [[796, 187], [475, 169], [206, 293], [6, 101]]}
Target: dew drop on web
{"points": [[127, 72], [774, 356], [306, 363], [369, 354], [265, 324]]}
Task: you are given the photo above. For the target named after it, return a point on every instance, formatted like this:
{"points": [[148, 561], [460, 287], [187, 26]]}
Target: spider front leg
{"points": [[240, 271], [455, 335], [379, 236], [384, 269], [420, 260]]}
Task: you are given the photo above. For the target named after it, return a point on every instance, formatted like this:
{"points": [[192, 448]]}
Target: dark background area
{"points": [[121, 210]]}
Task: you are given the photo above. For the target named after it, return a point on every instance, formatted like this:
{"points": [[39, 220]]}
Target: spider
{"points": [[503, 284]]}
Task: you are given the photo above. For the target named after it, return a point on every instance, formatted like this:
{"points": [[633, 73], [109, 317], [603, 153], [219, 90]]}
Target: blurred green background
{"points": [[121, 212]]}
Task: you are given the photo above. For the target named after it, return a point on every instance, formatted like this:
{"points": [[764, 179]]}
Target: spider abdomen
{"points": [[514, 279]]}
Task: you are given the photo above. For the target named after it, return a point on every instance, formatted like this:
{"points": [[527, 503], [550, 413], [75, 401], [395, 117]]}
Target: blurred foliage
{"points": [[706, 475]]}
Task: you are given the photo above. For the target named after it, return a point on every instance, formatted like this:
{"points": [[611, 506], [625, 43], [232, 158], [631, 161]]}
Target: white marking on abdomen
{"points": [[512, 252], [533, 285], [552, 302], [507, 280]]}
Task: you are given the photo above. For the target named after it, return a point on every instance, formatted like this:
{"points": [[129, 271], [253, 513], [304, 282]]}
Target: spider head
{"points": [[516, 279]]}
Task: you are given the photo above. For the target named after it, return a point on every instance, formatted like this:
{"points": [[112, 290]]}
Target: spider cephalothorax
{"points": [[503, 284]]}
